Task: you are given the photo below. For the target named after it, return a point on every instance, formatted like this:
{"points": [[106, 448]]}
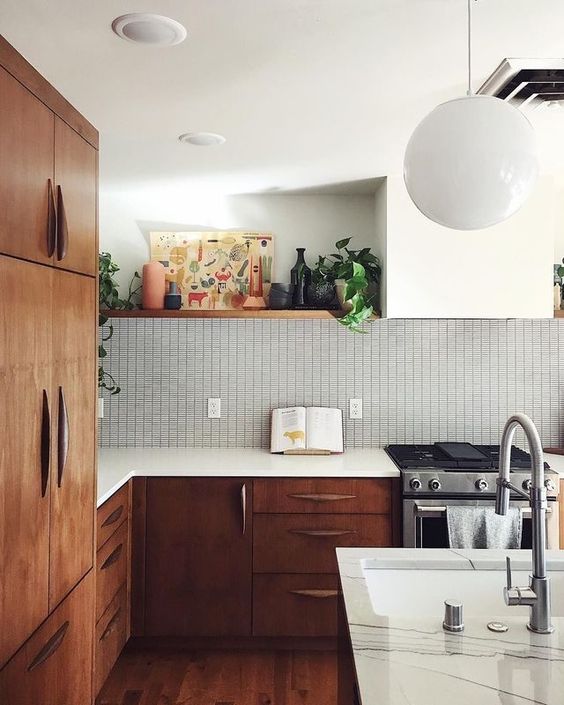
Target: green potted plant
{"points": [[109, 299], [356, 275]]}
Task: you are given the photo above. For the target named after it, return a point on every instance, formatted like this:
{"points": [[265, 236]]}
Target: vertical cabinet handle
{"points": [[62, 229], [50, 647], [63, 437], [51, 219], [45, 443], [243, 508]]}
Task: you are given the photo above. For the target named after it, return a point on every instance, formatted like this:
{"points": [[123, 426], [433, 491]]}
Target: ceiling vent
{"points": [[527, 83]]}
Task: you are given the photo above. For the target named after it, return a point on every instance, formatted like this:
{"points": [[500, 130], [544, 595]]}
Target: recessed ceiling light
{"points": [[146, 28], [202, 139]]}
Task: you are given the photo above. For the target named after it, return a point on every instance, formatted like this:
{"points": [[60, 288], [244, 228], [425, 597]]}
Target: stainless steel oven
{"points": [[425, 522]]}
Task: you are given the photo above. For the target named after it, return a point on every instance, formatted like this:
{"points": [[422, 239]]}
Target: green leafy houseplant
{"points": [[109, 299], [358, 268]]}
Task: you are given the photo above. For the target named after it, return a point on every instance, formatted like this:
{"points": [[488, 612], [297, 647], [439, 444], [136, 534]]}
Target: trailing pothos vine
{"points": [[109, 299]]}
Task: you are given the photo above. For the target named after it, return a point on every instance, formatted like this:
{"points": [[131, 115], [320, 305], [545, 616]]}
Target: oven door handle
{"points": [[429, 511]]}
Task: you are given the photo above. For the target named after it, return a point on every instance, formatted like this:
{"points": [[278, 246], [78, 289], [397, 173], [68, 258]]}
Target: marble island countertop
{"points": [[413, 661], [117, 465]]}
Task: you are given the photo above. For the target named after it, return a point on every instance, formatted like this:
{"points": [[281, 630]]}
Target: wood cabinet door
{"points": [[26, 173], [199, 557], [55, 666], [76, 177], [74, 428], [25, 403]]}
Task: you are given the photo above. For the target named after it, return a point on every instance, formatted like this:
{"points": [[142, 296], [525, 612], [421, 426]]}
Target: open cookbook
{"points": [[298, 430]]}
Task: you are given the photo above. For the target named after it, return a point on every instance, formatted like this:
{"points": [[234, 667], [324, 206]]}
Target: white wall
{"points": [[311, 221], [502, 272]]}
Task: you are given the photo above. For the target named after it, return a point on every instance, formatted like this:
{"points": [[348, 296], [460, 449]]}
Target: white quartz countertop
{"points": [[117, 465], [412, 661]]}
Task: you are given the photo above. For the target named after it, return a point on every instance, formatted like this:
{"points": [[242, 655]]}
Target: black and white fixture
{"points": [[472, 162], [147, 28]]}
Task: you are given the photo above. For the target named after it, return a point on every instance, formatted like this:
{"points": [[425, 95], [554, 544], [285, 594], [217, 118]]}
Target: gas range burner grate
{"points": [[455, 456]]}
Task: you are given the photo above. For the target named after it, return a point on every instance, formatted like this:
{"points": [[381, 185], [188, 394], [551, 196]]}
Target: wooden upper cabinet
{"points": [[76, 176], [26, 173], [198, 557], [73, 452], [26, 404]]}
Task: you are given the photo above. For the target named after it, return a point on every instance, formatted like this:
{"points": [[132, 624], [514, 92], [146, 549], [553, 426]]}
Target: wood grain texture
{"points": [[26, 145], [198, 560], [284, 605], [76, 175], [296, 543], [65, 676], [138, 554], [266, 677], [111, 636], [25, 371], [326, 496], [24, 72], [73, 502], [203, 313], [111, 568], [112, 514]]}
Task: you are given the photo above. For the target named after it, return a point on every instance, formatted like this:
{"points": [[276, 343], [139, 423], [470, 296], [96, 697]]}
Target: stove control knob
{"points": [[415, 483], [481, 484], [549, 484], [434, 484], [527, 484]]}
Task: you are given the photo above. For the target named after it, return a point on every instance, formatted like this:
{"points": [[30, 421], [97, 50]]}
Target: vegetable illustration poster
{"points": [[216, 270]]}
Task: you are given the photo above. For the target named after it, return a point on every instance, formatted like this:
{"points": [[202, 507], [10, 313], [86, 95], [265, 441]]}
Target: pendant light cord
{"points": [[469, 91]]}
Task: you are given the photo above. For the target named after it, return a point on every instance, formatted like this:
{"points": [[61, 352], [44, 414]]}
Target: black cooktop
{"points": [[455, 456]]}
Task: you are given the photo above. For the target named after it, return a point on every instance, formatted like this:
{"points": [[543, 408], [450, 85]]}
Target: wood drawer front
{"points": [[111, 635], [111, 515], [303, 543], [54, 667], [322, 496], [111, 568], [295, 605]]}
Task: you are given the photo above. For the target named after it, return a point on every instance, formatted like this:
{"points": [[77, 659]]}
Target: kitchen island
{"points": [[403, 656]]}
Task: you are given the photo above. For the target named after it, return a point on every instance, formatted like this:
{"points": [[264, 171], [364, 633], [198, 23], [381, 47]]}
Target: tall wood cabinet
{"points": [[48, 328]]}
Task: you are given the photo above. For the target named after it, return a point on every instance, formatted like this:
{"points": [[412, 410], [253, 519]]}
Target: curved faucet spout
{"points": [[540, 601]]}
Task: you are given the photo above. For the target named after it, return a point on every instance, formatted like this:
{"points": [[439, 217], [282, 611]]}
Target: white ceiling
{"points": [[307, 92]]}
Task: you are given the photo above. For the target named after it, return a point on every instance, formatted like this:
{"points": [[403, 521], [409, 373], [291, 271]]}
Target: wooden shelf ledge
{"points": [[558, 313], [206, 313]]}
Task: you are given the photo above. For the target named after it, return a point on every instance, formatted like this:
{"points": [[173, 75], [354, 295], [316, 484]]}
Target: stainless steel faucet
{"points": [[537, 594]]}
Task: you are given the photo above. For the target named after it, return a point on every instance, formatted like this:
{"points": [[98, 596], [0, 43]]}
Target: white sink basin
{"points": [[421, 593]]}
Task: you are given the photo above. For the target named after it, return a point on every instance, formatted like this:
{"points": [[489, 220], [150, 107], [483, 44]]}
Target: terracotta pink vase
{"points": [[153, 286]]}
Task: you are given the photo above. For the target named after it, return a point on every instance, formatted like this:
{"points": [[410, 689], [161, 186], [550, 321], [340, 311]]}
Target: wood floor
{"points": [[222, 678]]}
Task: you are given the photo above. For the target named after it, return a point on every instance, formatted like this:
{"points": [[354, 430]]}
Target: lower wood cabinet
{"points": [[295, 605], [54, 667], [113, 570], [198, 557]]}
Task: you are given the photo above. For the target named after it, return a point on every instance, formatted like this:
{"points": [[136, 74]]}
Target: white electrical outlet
{"points": [[355, 408], [214, 408]]}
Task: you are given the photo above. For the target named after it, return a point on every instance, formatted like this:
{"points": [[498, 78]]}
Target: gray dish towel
{"points": [[481, 527]]}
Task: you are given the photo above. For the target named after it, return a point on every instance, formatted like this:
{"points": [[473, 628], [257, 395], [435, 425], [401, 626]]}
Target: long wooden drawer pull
{"points": [[318, 594], [322, 497], [322, 532], [114, 516], [113, 557], [111, 625], [50, 647]]}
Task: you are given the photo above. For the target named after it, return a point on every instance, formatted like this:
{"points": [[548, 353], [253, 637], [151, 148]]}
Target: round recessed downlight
{"points": [[146, 28], [202, 139]]}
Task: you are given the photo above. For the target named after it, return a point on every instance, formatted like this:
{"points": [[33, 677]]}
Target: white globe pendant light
{"points": [[472, 162]]}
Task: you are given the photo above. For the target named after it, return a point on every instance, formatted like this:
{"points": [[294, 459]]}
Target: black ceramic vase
{"points": [[300, 276], [321, 294]]}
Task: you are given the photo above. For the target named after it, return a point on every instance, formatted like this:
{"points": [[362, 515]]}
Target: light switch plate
{"points": [[214, 408], [355, 408]]}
